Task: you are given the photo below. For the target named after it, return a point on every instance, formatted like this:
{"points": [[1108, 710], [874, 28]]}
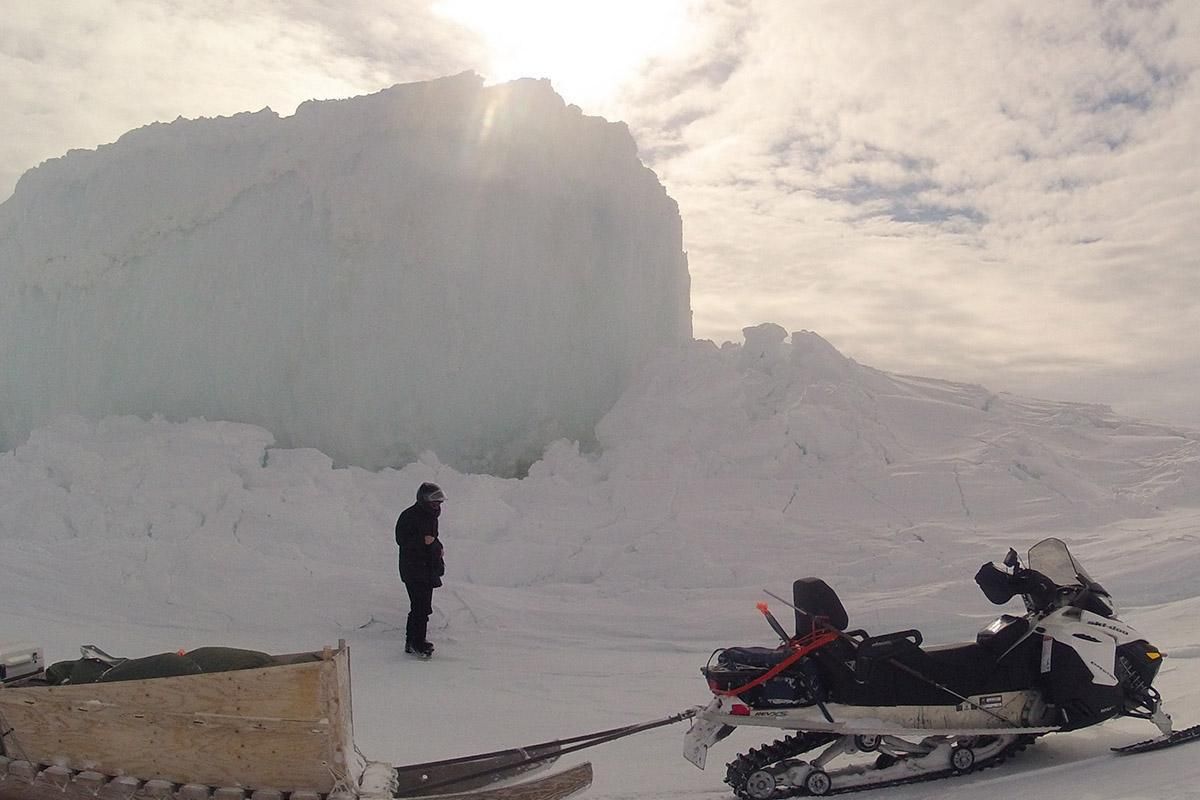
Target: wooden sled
{"points": [[278, 732]]}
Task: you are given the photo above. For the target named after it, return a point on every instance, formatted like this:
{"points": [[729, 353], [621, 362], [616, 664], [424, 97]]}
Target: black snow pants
{"points": [[420, 598]]}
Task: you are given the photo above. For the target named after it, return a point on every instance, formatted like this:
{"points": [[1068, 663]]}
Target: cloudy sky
{"points": [[1000, 191]]}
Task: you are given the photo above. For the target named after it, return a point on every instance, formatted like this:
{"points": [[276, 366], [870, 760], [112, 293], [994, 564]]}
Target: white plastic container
{"points": [[20, 660]]}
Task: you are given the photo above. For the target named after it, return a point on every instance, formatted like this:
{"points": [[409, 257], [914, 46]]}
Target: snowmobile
{"points": [[902, 712]]}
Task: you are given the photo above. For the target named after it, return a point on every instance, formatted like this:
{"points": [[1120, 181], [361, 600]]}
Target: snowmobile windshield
{"points": [[1051, 558]]}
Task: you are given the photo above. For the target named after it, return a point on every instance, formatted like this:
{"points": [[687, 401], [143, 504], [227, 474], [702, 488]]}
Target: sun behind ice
{"points": [[587, 50]]}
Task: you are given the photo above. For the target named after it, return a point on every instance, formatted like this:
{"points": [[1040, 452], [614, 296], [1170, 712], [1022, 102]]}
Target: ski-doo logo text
{"points": [[1111, 627]]}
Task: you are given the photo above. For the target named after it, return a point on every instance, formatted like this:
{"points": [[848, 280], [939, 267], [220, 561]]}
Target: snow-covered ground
{"points": [[588, 594]]}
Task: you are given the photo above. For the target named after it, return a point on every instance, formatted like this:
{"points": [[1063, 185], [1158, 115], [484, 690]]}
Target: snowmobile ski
{"points": [[1162, 742]]}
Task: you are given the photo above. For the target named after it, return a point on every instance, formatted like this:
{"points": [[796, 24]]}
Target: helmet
{"points": [[430, 493]]}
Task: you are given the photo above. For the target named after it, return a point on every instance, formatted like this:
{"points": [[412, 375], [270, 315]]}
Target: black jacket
{"points": [[420, 563]]}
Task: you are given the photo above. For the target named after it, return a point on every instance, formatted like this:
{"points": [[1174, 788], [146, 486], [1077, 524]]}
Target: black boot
{"points": [[421, 650]]}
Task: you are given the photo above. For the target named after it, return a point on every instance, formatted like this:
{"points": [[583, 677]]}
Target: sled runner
{"points": [[903, 712], [221, 724], [471, 772]]}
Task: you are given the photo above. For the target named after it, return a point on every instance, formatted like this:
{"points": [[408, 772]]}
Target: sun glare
{"points": [[588, 50]]}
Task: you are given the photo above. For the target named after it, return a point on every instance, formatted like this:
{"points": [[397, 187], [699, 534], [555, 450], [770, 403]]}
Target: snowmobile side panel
{"points": [[1007, 712]]}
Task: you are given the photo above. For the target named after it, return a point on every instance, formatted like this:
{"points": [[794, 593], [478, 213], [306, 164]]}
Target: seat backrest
{"points": [[815, 599]]}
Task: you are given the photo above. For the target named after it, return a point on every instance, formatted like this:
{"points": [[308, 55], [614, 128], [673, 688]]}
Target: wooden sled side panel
{"points": [[282, 727]]}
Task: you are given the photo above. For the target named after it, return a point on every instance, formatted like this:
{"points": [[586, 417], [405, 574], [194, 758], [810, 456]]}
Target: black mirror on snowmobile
{"points": [[1012, 560]]}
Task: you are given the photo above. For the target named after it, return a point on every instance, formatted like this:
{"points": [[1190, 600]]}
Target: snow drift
{"points": [[587, 594], [439, 265], [720, 468]]}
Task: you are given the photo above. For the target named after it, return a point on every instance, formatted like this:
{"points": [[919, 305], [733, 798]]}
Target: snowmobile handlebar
{"points": [[1000, 586], [1040, 592]]}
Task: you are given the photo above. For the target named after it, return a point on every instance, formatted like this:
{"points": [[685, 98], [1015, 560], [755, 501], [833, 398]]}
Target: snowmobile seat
{"points": [[897, 671], [889, 644], [903, 673], [817, 605], [884, 646]]}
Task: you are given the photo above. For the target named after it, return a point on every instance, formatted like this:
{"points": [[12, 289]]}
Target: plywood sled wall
{"points": [[285, 727]]}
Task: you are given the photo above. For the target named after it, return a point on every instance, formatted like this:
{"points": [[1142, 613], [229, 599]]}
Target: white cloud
{"points": [[79, 74], [1018, 178], [945, 187]]}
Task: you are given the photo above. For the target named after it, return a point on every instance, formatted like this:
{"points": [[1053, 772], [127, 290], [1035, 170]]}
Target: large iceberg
{"points": [[441, 265]]}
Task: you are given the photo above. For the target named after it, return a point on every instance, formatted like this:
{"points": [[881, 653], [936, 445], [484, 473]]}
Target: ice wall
{"points": [[476, 271]]}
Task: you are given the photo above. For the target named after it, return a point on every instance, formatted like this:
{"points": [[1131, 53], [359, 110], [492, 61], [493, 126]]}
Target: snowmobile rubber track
{"points": [[738, 770], [1178, 737], [1013, 749], [759, 758]]}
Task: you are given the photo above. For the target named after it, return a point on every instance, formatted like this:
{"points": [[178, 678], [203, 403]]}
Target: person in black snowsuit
{"points": [[421, 563]]}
